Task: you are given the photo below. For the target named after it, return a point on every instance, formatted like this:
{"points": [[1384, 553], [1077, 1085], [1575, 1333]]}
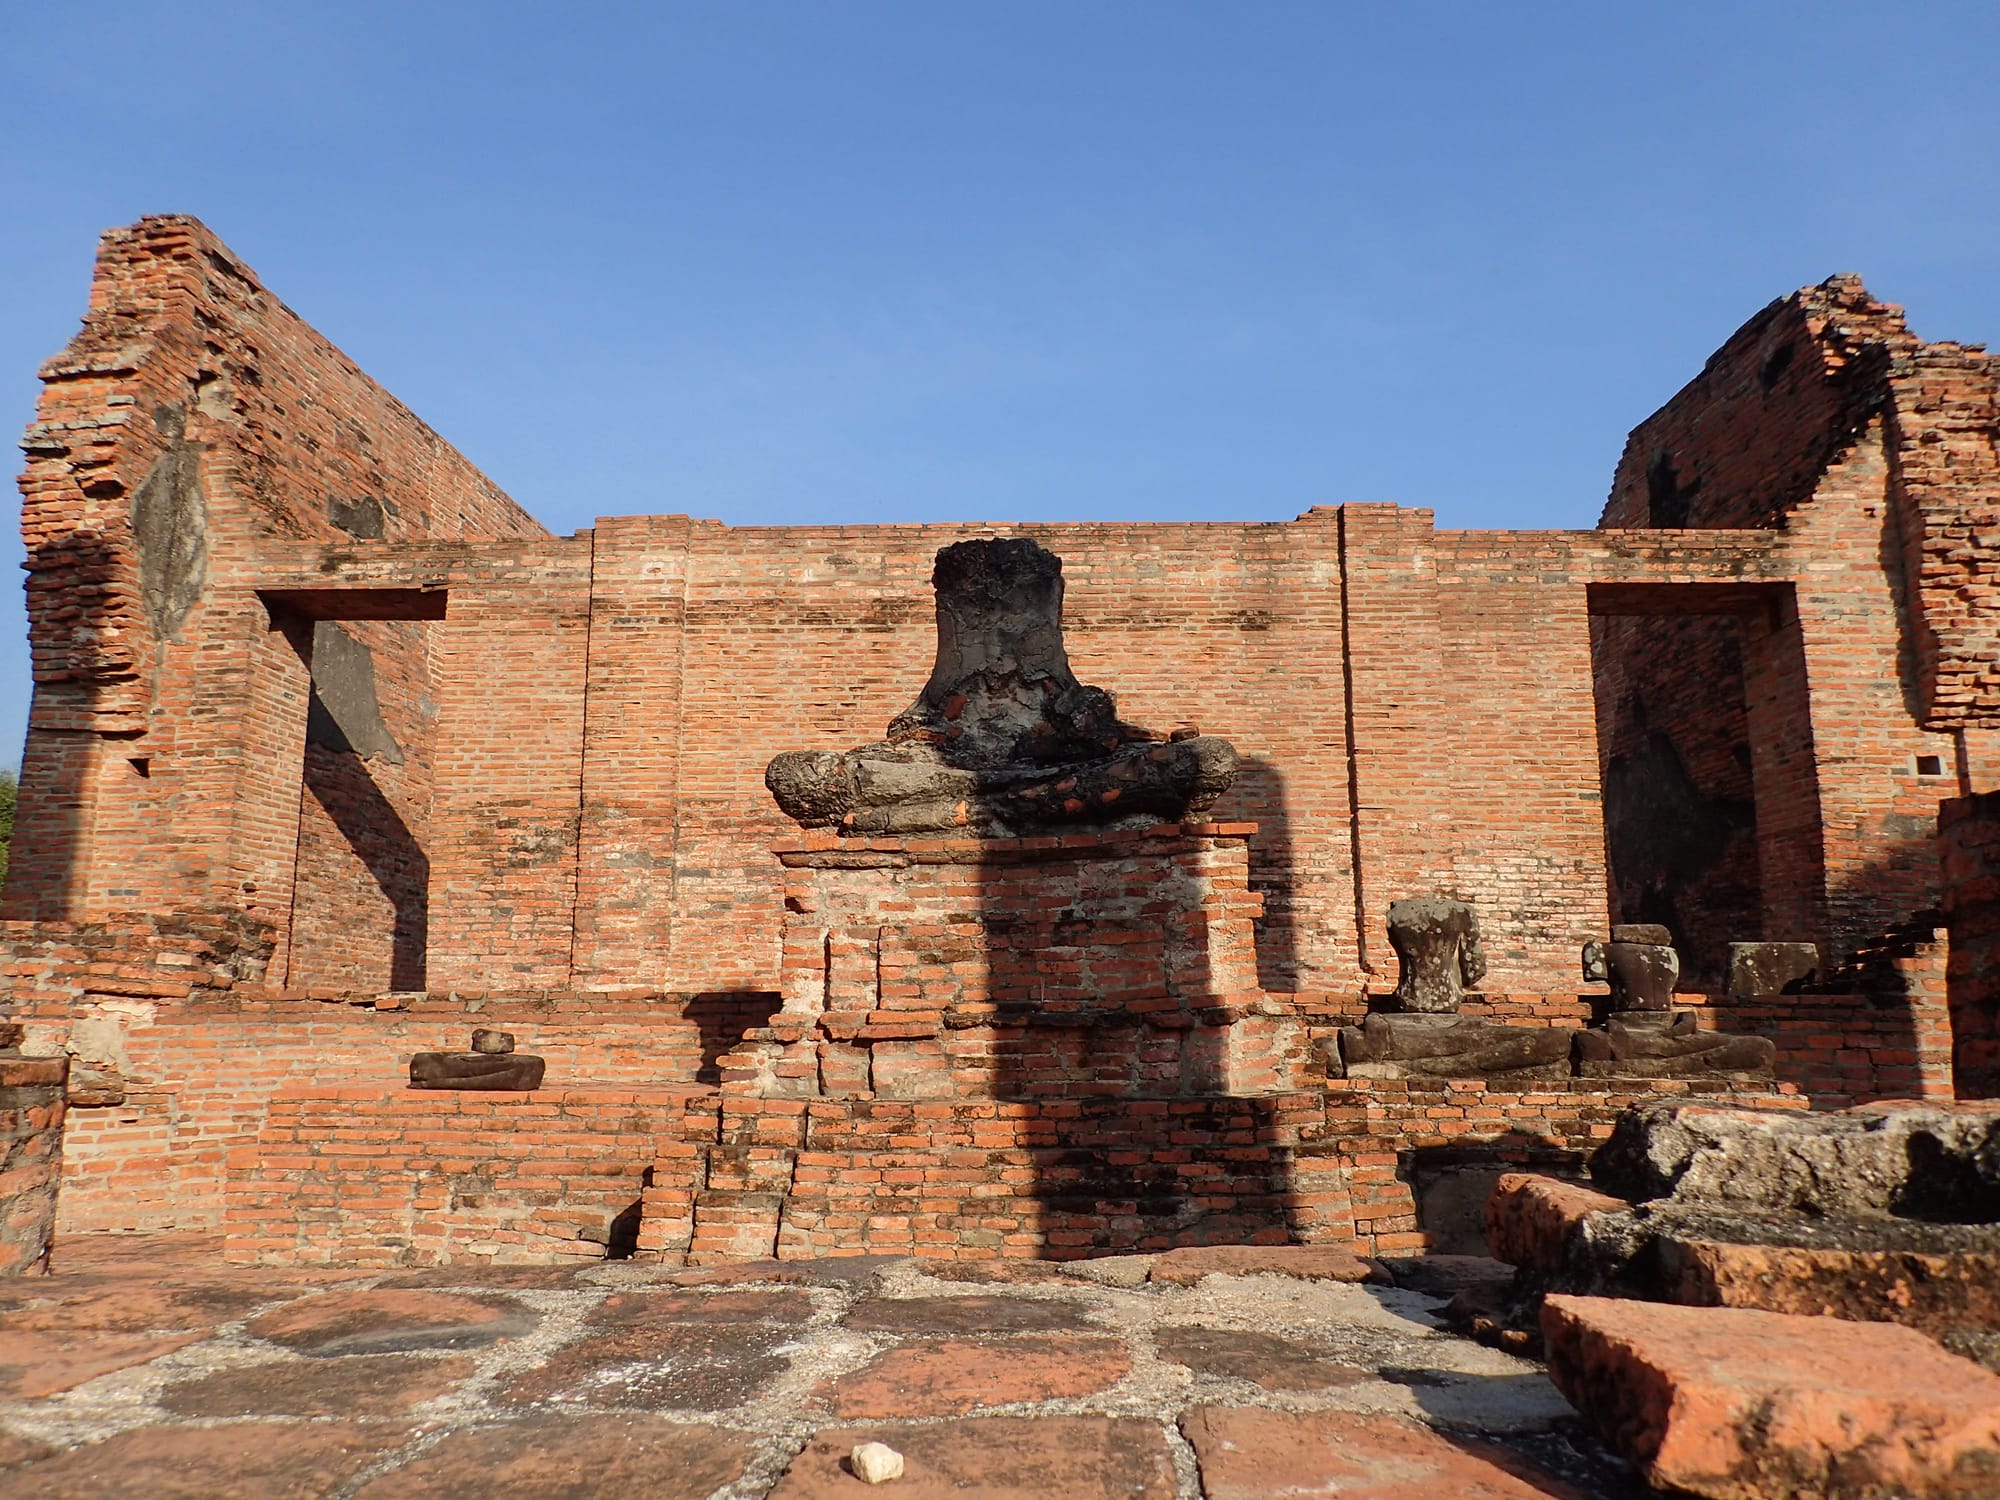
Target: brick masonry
{"points": [[31, 1147], [335, 753]]}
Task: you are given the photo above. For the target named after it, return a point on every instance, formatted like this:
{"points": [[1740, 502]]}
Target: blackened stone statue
{"points": [[1003, 739], [491, 1064], [1438, 953], [1645, 1036]]}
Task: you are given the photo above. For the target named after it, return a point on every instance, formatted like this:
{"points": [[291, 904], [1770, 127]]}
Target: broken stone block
{"points": [[1003, 739], [1437, 953], [1449, 1046], [1933, 1281], [493, 1043], [875, 1463], [1770, 968], [1923, 1161], [1640, 965], [1733, 1404], [1539, 1223]]}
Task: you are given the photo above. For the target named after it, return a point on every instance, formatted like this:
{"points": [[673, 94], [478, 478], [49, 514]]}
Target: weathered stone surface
{"points": [[1437, 953], [33, 1108], [1451, 1046], [628, 1309], [1186, 1266], [996, 1458], [1663, 1044], [367, 1385], [1770, 968], [1735, 1404], [1005, 1272], [233, 1461], [1937, 1293], [832, 1270], [1537, 1223], [1252, 1453], [16, 1450], [1003, 739], [1639, 964], [950, 1315], [1927, 1161], [950, 1377], [491, 1042], [1277, 1364], [563, 1457], [36, 1362], [476, 1070], [392, 1322], [661, 1365]]}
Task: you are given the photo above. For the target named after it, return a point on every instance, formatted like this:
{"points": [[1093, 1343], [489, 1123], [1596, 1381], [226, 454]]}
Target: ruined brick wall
{"points": [[31, 1156], [181, 1082], [194, 421], [1807, 420], [1969, 849]]}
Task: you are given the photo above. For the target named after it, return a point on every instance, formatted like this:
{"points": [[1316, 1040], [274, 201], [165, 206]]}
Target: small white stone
{"points": [[876, 1463]]}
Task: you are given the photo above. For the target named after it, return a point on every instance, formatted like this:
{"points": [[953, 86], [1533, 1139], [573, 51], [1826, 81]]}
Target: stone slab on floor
{"points": [[231, 1461], [1252, 1453], [951, 1377], [1738, 1404], [995, 1458], [562, 1457]]}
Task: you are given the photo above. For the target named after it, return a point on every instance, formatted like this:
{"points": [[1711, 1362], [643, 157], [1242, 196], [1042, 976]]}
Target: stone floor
{"points": [[146, 1366]]}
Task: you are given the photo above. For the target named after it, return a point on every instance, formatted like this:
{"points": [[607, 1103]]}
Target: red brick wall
{"points": [[363, 1177], [190, 381]]}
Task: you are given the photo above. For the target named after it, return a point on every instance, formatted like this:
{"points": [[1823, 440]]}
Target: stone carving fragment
{"points": [[491, 1064], [1437, 953], [1437, 948], [1003, 739]]}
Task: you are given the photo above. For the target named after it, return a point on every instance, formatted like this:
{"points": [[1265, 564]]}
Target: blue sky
{"points": [[851, 262]]}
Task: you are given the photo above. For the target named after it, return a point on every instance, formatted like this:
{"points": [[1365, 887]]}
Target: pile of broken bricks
{"points": [[1760, 1305]]}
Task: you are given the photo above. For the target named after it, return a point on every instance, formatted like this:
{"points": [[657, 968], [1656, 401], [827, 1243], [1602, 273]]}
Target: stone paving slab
{"points": [[234, 1461], [995, 1458], [950, 1377], [391, 1322], [555, 1457], [622, 1377], [1251, 1454]]}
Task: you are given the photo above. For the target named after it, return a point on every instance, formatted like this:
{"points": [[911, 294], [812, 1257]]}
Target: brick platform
{"points": [[414, 1177]]}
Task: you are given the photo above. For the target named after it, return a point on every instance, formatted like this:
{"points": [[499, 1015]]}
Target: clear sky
{"points": [[858, 261]]}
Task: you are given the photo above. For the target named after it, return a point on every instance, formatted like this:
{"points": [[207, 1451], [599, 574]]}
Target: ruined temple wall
{"points": [[194, 421], [1802, 420]]}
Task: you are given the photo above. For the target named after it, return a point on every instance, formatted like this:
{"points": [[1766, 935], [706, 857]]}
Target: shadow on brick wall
{"points": [[339, 781], [1258, 796], [1131, 1132]]}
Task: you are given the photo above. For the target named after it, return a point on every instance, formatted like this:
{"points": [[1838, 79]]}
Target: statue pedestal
{"points": [[1113, 963]]}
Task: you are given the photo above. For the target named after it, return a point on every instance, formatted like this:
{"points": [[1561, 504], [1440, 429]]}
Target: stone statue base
{"points": [[1450, 1046], [491, 1064], [1651, 1044]]}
